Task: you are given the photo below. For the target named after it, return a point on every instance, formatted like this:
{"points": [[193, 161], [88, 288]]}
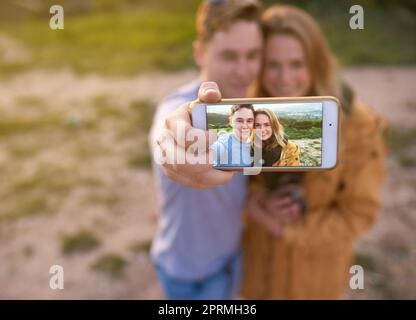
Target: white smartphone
{"points": [[274, 134]]}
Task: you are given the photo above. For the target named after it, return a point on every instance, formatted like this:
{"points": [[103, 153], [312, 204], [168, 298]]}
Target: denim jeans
{"points": [[224, 284]]}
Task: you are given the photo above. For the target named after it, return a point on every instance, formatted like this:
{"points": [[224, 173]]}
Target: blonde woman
{"points": [[298, 242], [276, 149]]}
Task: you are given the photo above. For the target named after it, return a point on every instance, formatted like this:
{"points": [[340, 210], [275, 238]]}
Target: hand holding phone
{"points": [[169, 141]]}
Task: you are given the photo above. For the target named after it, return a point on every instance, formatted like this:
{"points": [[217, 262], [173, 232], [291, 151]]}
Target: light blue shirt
{"points": [[231, 151], [199, 230]]}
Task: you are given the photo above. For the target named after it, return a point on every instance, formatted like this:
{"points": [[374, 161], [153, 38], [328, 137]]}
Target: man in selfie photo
{"points": [[233, 149]]}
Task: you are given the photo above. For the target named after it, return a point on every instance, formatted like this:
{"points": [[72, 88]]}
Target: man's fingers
{"points": [[186, 149], [184, 180], [280, 202], [179, 125], [179, 122], [214, 177], [209, 92]]}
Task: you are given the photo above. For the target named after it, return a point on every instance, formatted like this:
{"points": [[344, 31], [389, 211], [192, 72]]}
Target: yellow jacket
{"points": [[290, 155], [312, 258]]}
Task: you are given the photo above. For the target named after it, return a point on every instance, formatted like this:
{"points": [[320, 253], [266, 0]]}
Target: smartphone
{"points": [[274, 134]]}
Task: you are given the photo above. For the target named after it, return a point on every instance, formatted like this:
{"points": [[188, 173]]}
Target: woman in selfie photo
{"points": [[276, 149], [301, 227]]}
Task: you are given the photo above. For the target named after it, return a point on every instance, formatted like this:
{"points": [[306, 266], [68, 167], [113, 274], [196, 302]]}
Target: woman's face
{"points": [[285, 73], [262, 127]]}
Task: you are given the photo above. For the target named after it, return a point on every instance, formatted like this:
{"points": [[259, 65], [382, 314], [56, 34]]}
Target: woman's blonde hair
{"points": [[278, 135], [289, 20]]}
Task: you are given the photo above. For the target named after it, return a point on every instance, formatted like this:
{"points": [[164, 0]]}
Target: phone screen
{"points": [[283, 134]]}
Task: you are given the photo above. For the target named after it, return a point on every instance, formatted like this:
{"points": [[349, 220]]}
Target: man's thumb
{"points": [[209, 92]]}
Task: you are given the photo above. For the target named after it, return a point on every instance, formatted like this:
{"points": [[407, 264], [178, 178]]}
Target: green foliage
{"points": [[110, 264], [126, 37], [81, 241]]}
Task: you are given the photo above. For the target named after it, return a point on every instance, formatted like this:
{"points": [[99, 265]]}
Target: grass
{"points": [[110, 42], [140, 160], [138, 120], [30, 206], [89, 149], [82, 241], [104, 107], [11, 126], [38, 193], [127, 37], [51, 180], [384, 289], [402, 142], [28, 251], [407, 161], [402, 138], [30, 100], [385, 39], [142, 114], [111, 264], [141, 246], [75, 139], [108, 199], [295, 133], [23, 151], [366, 261]]}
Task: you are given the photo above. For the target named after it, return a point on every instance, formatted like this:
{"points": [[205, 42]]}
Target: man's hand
{"points": [[178, 125], [277, 209], [286, 204]]}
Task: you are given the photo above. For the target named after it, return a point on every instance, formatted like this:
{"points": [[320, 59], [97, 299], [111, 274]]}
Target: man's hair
{"points": [[218, 15], [237, 107]]}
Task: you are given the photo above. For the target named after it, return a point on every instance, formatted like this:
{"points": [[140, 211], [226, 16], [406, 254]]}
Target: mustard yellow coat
{"points": [[290, 155], [312, 258]]}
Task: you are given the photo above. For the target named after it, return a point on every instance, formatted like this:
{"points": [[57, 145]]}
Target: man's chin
{"points": [[245, 137]]}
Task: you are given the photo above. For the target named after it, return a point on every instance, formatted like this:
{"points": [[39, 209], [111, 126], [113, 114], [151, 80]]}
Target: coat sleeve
{"points": [[291, 156], [356, 202]]}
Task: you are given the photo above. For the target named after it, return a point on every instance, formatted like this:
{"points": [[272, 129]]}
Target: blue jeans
{"points": [[224, 284]]}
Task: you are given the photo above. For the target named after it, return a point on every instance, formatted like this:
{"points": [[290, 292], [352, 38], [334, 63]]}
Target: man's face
{"points": [[242, 122], [232, 58]]}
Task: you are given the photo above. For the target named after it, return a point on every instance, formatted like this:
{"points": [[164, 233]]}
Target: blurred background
{"points": [[75, 108]]}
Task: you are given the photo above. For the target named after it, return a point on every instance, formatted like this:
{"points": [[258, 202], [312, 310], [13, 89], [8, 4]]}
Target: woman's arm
{"points": [[291, 155], [260, 215]]}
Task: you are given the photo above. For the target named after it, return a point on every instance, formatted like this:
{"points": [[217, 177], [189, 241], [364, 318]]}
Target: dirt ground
{"points": [[85, 177], [310, 151]]}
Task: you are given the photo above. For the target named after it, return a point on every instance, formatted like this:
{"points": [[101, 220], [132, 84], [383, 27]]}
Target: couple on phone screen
{"points": [[238, 147]]}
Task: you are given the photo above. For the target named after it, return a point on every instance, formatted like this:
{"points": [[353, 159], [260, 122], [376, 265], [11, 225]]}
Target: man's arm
{"points": [[169, 138]]}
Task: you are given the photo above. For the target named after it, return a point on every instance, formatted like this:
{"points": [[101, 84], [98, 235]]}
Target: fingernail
{"points": [[208, 90]]}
